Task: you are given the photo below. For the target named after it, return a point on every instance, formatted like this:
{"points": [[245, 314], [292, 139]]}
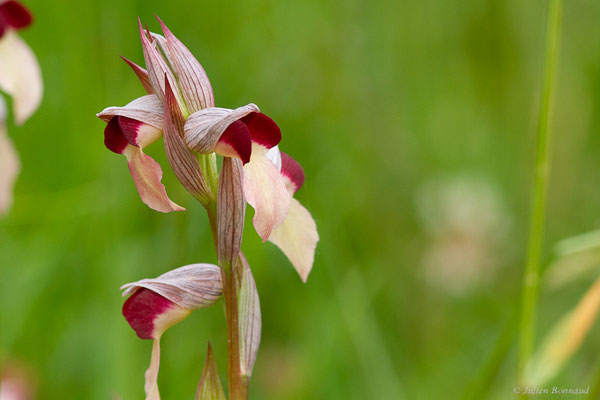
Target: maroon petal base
{"points": [[235, 142], [292, 171], [149, 314], [13, 15], [114, 139], [263, 130]]}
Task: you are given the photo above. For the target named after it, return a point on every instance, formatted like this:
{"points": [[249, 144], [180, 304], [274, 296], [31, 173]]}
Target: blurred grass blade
{"points": [[532, 271], [210, 387], [564, 339], [573, 258], [576, 244]]}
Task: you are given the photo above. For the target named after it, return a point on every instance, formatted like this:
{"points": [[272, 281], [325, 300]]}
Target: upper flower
{"points": [[180, 106], [244, 133]]}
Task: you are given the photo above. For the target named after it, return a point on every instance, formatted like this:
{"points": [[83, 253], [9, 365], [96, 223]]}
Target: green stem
{"points": [[237, 382], [531, 276]]}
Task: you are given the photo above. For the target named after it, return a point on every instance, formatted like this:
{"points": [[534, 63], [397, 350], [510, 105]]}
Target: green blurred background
{"points": [[414, 121]]}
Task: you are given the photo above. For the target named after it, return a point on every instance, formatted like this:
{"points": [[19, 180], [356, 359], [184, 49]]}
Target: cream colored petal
{"points": [[148, 109], [9, 169], [20, 75], [265, 191], [297, 237]]}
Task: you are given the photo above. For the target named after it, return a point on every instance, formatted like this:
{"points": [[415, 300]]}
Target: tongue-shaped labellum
{"points": [[297, 236], [264, 187], [146, 172], [265, 191]]}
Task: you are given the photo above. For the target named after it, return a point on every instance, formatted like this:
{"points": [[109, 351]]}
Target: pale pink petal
{"points": [[297, 237], [146, 172], [265, 191], [163, 47], [9, 168], [147, 109], [20, 75], [157, 67], [142, 75], [194, 82], [191, 286], [204, 128], [147, 176]]}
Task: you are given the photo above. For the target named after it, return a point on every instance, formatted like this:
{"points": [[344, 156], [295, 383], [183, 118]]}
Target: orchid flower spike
{"points": [[297, 236], [157, 304], [20, 78], [171, 71], [244, 133]]}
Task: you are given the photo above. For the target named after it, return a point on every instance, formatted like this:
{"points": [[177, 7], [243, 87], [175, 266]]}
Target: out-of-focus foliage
{"points": [[376, 100]]}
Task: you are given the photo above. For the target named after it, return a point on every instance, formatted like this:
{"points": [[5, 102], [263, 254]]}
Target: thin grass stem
{"points": [[531, 276]]}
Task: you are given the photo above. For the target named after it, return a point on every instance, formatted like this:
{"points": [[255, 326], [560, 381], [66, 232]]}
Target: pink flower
{"points": [[180, 103], [154, 305], [20, 78], [244, 133]]}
